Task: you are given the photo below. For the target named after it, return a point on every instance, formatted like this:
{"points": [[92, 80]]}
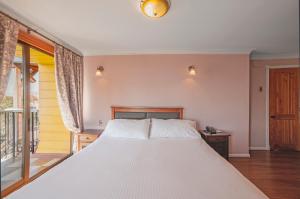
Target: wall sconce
{"points": [[192, 70], [99, 71]]}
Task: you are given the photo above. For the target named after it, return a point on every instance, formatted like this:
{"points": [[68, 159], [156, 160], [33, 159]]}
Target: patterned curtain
{"points": [[9, 31], [69, 85]]}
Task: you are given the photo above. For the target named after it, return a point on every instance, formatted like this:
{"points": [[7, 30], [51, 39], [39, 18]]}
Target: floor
{"points": [[11, 169], [277, 174]]}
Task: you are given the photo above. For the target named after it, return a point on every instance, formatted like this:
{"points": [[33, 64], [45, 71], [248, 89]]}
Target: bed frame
{"points": [[127, 112]]}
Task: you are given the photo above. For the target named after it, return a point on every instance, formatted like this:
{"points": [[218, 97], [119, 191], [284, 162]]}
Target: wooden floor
{"points": [[277, 174]]}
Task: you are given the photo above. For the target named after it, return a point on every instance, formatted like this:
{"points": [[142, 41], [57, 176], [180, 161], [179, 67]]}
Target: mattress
{"points": [[116, 168]]}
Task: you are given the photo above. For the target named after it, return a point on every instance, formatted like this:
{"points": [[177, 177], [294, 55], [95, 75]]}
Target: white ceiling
{"points": [[97, 27]]}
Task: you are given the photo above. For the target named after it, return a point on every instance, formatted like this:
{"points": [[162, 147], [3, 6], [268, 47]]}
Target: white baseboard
{"points": [[263, 148], [239, 155]]}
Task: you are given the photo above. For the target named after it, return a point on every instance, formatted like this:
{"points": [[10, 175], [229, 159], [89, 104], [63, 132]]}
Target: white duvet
{"points": [[120, 168]]}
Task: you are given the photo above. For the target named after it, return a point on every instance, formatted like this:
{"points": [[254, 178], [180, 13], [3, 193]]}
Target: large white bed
{"points": [[155, 168]]}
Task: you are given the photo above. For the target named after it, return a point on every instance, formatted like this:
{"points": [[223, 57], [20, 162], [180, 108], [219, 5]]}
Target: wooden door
{"points": [[283, 108]]}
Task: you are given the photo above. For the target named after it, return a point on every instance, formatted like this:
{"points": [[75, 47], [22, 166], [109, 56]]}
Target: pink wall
{"points": [[218, 95], [258, 107], [258, 99]]}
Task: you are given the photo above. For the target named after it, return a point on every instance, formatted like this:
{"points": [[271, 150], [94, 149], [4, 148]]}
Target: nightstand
{"points": [[219, 142], [87, 137]]}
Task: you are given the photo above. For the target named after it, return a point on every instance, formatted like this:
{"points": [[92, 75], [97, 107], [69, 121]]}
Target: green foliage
{"points": [[6, 102]]}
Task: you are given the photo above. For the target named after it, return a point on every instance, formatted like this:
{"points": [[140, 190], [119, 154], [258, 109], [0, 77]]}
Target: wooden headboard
{"points": [[122, 112]]}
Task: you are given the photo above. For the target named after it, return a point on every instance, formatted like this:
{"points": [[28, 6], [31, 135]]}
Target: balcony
{"points": [[11, 132], [12, 146]]}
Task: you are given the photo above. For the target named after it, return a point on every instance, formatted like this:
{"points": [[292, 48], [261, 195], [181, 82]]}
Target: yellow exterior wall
{"points": [[54, 137]]}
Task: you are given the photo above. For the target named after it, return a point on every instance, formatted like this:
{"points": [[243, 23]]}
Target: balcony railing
{"points": [[12, 132]]}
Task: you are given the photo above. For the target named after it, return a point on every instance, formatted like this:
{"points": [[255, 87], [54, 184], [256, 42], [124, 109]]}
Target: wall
{"points": [[258, 99], [54, 137], [218, 95]]}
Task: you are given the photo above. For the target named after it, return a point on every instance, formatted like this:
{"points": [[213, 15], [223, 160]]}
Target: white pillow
{"points": [[126, 128], [191, 122], [173, 128]]}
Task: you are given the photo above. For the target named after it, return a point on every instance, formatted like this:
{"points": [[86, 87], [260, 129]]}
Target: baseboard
{"points": [[239, 155], [263, 148]]}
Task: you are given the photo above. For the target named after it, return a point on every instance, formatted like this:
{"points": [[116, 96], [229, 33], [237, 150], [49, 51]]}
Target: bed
{"points": [[158, 168]]}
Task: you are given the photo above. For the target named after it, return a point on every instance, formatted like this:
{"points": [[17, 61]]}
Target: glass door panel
{"points": [[11, 117], [31, 78], [50, 140]]}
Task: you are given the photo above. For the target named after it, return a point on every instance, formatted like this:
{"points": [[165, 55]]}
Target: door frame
{"points": [[28, 41], [268, 67]]}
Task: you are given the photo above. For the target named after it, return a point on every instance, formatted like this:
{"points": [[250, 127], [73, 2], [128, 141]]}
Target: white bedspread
{"points": [[115, 168]]}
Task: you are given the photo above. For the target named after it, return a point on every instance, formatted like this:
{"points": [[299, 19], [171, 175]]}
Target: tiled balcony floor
{"points": [[11, 169]]}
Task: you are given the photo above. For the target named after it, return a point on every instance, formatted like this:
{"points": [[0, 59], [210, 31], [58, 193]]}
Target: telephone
{"points": [[210, 130]]}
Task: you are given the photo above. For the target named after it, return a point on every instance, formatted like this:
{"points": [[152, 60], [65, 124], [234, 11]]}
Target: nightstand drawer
{"points": [[219, 142], [216, 139], [220, 147], [87, 138]]}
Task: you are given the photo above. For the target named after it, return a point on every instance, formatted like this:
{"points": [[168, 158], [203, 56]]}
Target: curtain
{"points": [[9, 31], [69, 85]]}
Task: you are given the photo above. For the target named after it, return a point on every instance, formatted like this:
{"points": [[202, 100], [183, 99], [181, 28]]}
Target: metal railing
{"points": [[12, 133]]}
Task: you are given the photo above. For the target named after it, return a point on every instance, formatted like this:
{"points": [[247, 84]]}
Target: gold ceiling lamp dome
{"points": [[155, 8]]}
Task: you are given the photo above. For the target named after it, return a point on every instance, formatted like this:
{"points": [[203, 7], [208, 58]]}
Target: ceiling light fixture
{"points": [[155, 8]]}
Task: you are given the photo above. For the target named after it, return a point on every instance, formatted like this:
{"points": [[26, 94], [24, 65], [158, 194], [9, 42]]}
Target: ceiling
{"points": [[269, 28]]}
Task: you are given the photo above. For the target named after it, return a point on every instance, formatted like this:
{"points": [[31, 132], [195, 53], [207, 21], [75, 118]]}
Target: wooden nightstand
{"points": [[87, 137], [219, 142]]}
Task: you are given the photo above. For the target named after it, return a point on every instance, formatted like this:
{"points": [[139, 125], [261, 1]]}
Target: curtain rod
{"points": [[29, 29]]}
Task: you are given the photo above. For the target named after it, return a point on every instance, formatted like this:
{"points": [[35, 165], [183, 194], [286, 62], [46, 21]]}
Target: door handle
{"points": [[273, 117]]}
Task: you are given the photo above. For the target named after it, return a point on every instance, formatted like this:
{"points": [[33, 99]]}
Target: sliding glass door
{"points": [[11, 124], [30, 148]]}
